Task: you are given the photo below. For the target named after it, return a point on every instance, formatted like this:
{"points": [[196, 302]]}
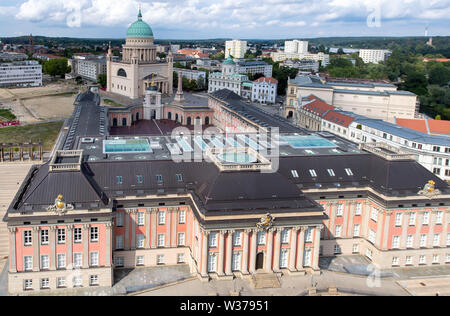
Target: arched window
{"points": [[207, 120], [176, 117], [137, 116], [114, 121], [124, 121], [169, 115], [122, 73], [189, 121]]}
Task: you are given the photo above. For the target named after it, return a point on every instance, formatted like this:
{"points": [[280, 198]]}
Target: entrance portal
{"points": [[259, 261]]}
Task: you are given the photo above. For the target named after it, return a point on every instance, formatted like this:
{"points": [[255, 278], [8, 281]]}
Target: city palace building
{"points": [[233, 205]]}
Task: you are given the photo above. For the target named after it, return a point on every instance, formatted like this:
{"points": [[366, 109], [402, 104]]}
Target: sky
{"points": [[238, 19]]}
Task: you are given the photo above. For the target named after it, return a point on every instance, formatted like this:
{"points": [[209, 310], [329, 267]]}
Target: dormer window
{"points": [[313, 173], [159, 178]]}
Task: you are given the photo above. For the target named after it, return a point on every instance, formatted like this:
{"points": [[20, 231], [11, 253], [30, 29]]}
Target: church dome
{"points": [[139, 28]]}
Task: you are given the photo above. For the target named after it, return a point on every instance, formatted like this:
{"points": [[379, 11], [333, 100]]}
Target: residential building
{"points": [[296, 47], [26, 73], [8, 57], [324, 59], [302, 65], [89, 68], [264, 90], [235, 48], [228, 78], [197, 75], [254, 67], [374, 56]]}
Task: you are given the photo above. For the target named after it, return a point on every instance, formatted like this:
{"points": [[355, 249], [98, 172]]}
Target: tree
{"points": [[416, 82], [56, 67], [340, 51], [102, 80], [439, 75]]}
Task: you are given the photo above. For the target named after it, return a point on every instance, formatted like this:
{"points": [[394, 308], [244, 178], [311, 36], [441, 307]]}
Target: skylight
{"points": [[331, 172], [313, 173], [349, 171], [294, 173]]}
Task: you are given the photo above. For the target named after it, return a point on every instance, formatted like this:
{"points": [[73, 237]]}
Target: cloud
{"points": [[218, 16]]}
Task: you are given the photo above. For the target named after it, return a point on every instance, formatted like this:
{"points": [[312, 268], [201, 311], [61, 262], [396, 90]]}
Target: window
{"points": [[61, 236], [308, 235], [212, 240], [423, 240], [181, 239], [447, 257], [27, 238], [425, 218], [398, 219], [61, 282], [44, 237], [395, 242], [408, 260], [119, 242], [161, 240], [294, 173], [160, 259], [372, 236], [77, 260], [369, 254], [439, 215], [159, 178], [358, 209], [348, 171], [307, 258], [435, 258], [313, 173], [236, 261], [77, 235], [448, 239], [355, 248], [45, 262], [45, 283], [285, 236], [140, 260], [139, 179], [182, 217], [422, 259], [261, 238], [119, 179], [395, 261], [61, 261], [337, 231], [141, 218], [412, 219], [93, 280], [180, 258], [409, 241], [77, 281], [119, 262], [374, 214], [28, 284], [94, 234], [140, 241], [212, 262], [161, 218], [284, 255], [237, 239], [119, 219], [436, 240], [331, 172], [28, 263], [356, 230], [340, 210], [94, 259], [179, 177]]}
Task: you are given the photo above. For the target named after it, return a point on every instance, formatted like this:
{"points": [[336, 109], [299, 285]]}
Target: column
{"points": [[168, 230], [133, 228], [188, 229], [316, 250], [36, 259], [204, 270], [276, 257], [221, 252], [85, 230], [228, 270], [126, 245], [332, 215], [52, 239], [174, 228], [253, 250], [245, 252], [386, 230], [154, 212], [379, 228], [348, 219], [365, 219], [69, 242], [293, 251], [147, 228], [12, 250], [301, 248], [108, 227], [269, 252]]}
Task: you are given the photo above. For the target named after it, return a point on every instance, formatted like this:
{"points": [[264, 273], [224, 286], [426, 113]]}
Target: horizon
{"points": [[246, 19]]}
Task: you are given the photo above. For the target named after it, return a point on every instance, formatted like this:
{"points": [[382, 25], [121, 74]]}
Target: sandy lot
{"points": [[31, 105]]}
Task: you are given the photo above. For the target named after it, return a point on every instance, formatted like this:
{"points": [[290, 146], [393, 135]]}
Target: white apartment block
{"points": [[21, 74], [88, 68], [236, 48], [374, 55], [264, 90], [324, 59], [192, 74], [254, 67], [296, 47], [233, 82]]}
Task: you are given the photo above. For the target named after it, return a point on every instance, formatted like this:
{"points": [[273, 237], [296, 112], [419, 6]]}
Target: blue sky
{"points": [[202, 19]]}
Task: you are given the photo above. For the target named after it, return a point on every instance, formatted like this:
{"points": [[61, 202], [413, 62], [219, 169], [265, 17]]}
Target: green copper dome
{"points": [[139, 28], [229, 61]]}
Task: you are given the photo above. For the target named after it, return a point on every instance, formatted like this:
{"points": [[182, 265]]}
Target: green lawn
{"points": [[112, 103], [7, 114], [45, 132]]}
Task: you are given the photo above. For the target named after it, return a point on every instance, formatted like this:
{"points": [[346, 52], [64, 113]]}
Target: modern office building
{"points": [[26, 73], [254, 67]]}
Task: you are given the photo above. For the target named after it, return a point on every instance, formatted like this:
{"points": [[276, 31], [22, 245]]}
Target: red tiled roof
{"points": [[338, 118], [434, 126], [318, 106], [267, 79]]}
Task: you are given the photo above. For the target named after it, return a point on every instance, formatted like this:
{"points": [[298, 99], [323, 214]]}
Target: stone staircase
{"points": [[262, 280], [11, 177]]}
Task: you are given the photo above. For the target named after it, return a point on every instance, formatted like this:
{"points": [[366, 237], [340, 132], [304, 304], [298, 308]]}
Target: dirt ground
{"points": [[30, 105]]}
